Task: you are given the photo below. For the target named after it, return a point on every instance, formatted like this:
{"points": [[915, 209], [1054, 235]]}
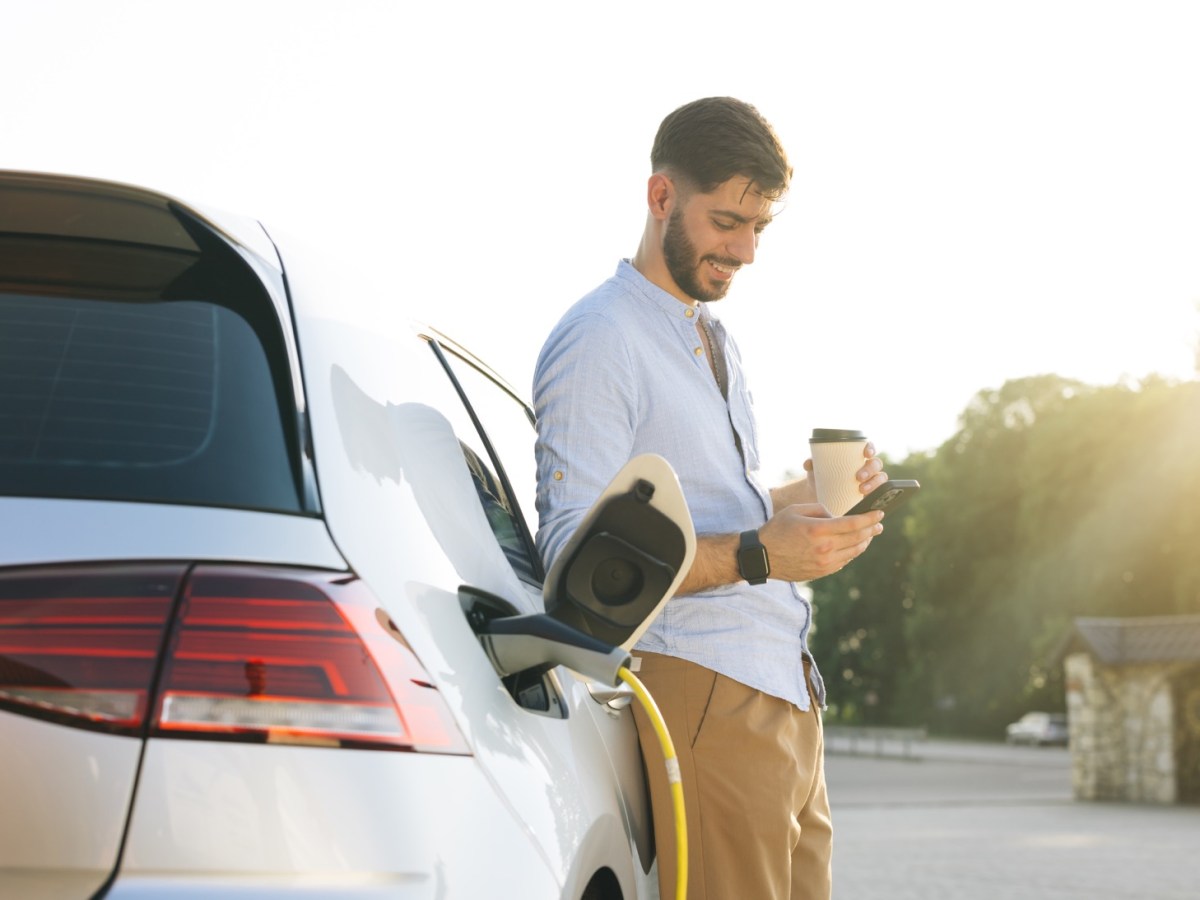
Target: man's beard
{"points": [[684, 264]]}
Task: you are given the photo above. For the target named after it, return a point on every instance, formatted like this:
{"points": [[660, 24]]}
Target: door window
{"points": [[502, 464]]}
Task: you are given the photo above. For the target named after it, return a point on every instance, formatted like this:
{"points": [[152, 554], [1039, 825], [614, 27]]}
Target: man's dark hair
{"points": [[709, 141]]}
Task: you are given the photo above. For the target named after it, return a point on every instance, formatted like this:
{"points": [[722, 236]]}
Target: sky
{"points": [[983, 191]]}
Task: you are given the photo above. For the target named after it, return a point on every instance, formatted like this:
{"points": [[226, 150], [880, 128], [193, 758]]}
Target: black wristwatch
{"points": [[752, 558]]}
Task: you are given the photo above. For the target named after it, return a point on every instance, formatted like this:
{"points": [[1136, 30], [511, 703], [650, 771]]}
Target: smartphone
{"points": [[887, 496]]}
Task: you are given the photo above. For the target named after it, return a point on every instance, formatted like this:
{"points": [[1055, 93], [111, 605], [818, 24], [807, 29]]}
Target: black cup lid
{"points": [[829, 435]]}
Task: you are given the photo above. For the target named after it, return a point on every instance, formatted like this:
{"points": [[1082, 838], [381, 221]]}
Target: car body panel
{"points": [[553, 772], [625, 758], [60, 837], [237, 815], [104, 530]]}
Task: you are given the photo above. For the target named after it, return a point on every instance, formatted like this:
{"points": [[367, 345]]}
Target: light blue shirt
{"points": [[624, 373]]}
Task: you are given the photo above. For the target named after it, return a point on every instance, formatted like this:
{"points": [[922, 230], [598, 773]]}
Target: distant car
{"points": [[272, 621], [1039, 729]]}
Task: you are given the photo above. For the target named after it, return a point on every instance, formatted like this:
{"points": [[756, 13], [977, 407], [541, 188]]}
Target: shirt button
{"points": [[689, 312], [698, 351], [558, 476]]}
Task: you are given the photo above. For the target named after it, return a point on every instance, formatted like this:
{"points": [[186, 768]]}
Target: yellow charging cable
{"points": [[673, 778]]}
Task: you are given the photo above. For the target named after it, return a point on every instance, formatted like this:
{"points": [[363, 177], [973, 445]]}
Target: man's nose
{"points": [[743, 245]]}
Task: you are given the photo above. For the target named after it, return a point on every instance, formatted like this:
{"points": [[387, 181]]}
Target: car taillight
{"points": [[248, 653], [81, 645]]}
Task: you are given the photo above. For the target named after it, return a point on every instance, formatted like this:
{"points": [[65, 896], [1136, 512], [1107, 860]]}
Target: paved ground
{"points": [[986, 821], [990, 822]]}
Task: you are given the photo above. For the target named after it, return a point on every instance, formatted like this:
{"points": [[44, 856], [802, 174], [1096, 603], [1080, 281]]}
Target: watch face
{"points": [[752, 559], [753, 566]]}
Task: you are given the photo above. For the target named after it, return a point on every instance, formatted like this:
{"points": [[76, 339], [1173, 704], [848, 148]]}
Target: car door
{"points": [[505, 425]]}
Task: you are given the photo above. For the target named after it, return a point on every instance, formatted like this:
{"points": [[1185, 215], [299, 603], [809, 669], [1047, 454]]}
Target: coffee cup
{"points": [[837, 455]]}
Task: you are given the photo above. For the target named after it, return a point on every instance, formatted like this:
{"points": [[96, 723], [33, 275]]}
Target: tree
{"points": [[1054, 499]]}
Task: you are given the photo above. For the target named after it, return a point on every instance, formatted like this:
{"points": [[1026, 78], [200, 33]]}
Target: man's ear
{"points": [[661, 196]]}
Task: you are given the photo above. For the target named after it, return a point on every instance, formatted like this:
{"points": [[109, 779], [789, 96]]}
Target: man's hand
{"points": [[870, 476], [804, 543]]}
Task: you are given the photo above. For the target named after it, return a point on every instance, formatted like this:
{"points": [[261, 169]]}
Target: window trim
{"points": [[440, 345]]}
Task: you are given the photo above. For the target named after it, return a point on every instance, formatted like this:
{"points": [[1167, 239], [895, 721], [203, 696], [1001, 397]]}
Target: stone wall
{"points": [[1122, 731]]}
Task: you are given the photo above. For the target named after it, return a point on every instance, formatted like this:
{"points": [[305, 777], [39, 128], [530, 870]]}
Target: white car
{"points": [[271, 619], [1039, 729]]}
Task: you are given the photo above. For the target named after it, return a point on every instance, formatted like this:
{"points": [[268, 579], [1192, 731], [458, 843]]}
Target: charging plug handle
{"points": [[538, 641]]}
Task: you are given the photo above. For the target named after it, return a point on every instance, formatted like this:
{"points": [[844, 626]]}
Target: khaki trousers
{"points": [[758, 822]]}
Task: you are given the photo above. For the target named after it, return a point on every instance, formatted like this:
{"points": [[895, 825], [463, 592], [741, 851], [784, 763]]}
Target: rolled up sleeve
{"points": [[585, 398]]}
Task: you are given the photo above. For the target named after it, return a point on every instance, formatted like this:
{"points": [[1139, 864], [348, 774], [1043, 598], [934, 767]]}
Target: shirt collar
{"points": [[657, 297]]}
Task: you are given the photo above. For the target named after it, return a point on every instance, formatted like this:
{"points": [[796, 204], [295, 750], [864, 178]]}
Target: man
{"points": [[641, 365]]}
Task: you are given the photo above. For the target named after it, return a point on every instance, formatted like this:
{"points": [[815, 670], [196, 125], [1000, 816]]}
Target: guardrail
{"points": [[874, 740]]}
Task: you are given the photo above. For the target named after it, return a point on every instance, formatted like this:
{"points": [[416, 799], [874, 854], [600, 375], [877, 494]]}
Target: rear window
{"points": [[128, 376]]}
